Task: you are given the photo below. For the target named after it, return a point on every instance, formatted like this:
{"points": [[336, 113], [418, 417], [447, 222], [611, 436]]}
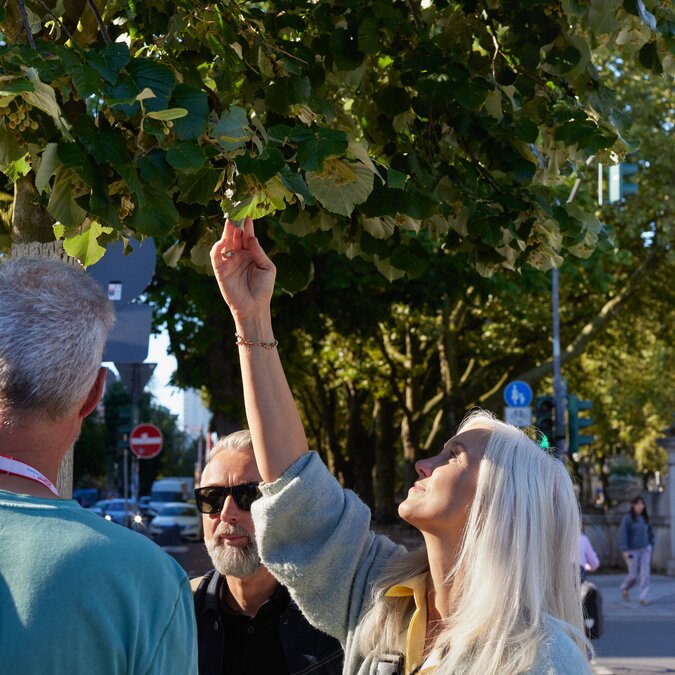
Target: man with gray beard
{"points": [[247, 623]]}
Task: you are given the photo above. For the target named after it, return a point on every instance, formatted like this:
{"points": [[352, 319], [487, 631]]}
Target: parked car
{"points": [[185, 516], [115, 511], [144, 504], [86, 497]]}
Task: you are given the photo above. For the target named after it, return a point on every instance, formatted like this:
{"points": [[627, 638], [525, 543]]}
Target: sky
{"points": [[169, 397]]}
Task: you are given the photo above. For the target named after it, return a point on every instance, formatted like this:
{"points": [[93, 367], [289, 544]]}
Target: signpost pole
{"points": [[560, 442]]}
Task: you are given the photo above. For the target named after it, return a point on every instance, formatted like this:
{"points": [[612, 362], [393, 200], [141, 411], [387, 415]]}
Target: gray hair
{"points": [[237, 441], [54, 321]]}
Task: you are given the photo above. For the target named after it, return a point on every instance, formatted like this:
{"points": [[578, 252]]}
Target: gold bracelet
{"points": [[243, 342]]}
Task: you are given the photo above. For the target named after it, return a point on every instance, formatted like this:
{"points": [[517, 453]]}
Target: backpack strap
{"points": [[199, 586]]}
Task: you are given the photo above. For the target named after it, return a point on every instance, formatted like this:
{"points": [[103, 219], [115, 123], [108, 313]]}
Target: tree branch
{"points": [[99, 20], [26, 24]]}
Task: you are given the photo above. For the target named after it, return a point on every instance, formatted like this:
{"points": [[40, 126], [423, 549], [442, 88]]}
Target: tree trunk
{"points": [[360, 447], [385, 461]]}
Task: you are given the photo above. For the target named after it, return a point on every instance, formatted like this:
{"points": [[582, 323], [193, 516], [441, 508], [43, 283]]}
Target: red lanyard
{"points": [[15, 467]]}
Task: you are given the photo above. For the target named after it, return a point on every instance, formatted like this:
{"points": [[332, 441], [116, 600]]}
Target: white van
{"points": [[171, 489]]}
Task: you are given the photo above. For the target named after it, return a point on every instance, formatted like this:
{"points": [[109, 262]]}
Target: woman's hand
{"points": [[244, 273]]}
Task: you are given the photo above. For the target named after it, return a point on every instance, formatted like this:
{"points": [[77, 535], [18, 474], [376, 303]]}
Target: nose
{"points": [[425, 467], [230, 513]]}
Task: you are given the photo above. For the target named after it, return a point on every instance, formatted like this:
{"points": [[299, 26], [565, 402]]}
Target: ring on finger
{"points": [[229, 253]]}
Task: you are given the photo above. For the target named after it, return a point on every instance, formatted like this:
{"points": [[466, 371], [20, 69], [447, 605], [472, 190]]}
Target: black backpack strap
{"points": [[209, 624], [199, 587]]}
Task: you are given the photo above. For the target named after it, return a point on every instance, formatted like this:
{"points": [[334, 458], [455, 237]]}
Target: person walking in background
{"points": [[491, 591], [247, 623], [591, 597], [588, 558], [636, 544], [78, 595]]}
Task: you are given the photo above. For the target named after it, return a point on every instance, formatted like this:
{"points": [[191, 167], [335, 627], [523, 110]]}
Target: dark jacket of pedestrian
{"points": [[636, 533], [282, 640]]}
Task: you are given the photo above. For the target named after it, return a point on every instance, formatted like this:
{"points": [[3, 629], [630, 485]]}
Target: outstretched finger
{"points": [[237, 235], [249, 232]]}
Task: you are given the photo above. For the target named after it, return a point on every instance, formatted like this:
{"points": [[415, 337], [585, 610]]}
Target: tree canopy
{"points": [[388, 131]]}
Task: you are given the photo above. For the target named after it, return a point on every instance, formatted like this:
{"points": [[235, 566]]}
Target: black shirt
{"points": [[252, 644], [278, 640]]}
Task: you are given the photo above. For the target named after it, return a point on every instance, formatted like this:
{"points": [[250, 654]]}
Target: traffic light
{"points": [[576, 424], [622, 181], [544, 411]]}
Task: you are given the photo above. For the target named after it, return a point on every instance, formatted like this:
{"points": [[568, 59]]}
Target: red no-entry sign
{"points": [[145, 441]]}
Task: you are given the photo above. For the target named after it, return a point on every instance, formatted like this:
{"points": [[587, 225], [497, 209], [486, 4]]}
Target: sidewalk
{"points": [[627, 624], [661, 595]]}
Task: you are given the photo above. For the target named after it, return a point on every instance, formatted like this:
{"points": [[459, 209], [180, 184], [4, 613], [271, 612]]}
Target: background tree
{"points": [[99, 449]]}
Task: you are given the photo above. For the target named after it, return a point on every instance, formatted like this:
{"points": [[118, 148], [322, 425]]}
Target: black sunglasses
{"points": [[211, 499]]}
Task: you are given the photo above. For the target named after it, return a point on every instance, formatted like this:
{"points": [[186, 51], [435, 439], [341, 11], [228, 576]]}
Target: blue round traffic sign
{"points": [[518, 394]]}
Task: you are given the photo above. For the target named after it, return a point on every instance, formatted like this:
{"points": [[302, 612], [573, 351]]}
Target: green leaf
{"points": [[392, 100], [15, 87], [395, 179], [369, 36], [386, 269], [109, 61], [44, 98], [174, 253], [263, 167], [49, 163], [186, 157], [168, 114], [471, 94], [341, 185], [413, 258], [649, 58], [345, 49], [301, 225], [326, 143], [418, 204], [284, 93], [158, 216], [144, 74], [200, 252], [295, 270], [232, 131], [87, 81], [62, 205], [198, 188], [295, 183], [155, 170], [19, 167], [85, 246], [9, 148], [526, 130], [196, 102], [272, 197], [379, 228]]}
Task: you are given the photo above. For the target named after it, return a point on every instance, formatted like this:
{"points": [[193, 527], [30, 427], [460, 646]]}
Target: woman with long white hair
{"points": [[491, 592]]}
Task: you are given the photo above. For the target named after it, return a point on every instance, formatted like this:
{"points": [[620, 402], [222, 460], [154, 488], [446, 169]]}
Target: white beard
{"points": [[233, 561]]}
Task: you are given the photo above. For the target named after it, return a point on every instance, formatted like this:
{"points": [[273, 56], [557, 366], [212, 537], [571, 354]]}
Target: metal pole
{"points": [[560, 441], [125, 474], [136, 389]]}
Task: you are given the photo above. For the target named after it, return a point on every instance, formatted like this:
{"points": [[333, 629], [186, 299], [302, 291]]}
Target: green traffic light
{"points": [[543, 443], [575, 423]]}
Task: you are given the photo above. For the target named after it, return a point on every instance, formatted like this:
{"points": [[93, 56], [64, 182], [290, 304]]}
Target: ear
{"points": [[94, 395]]}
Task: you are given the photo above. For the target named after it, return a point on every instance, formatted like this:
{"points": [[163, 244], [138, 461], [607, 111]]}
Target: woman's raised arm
{"points": [[245, 277]]}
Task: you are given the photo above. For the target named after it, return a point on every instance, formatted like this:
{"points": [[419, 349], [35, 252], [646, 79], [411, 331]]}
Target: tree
{"points": [[381, 130], [99, 450]]}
